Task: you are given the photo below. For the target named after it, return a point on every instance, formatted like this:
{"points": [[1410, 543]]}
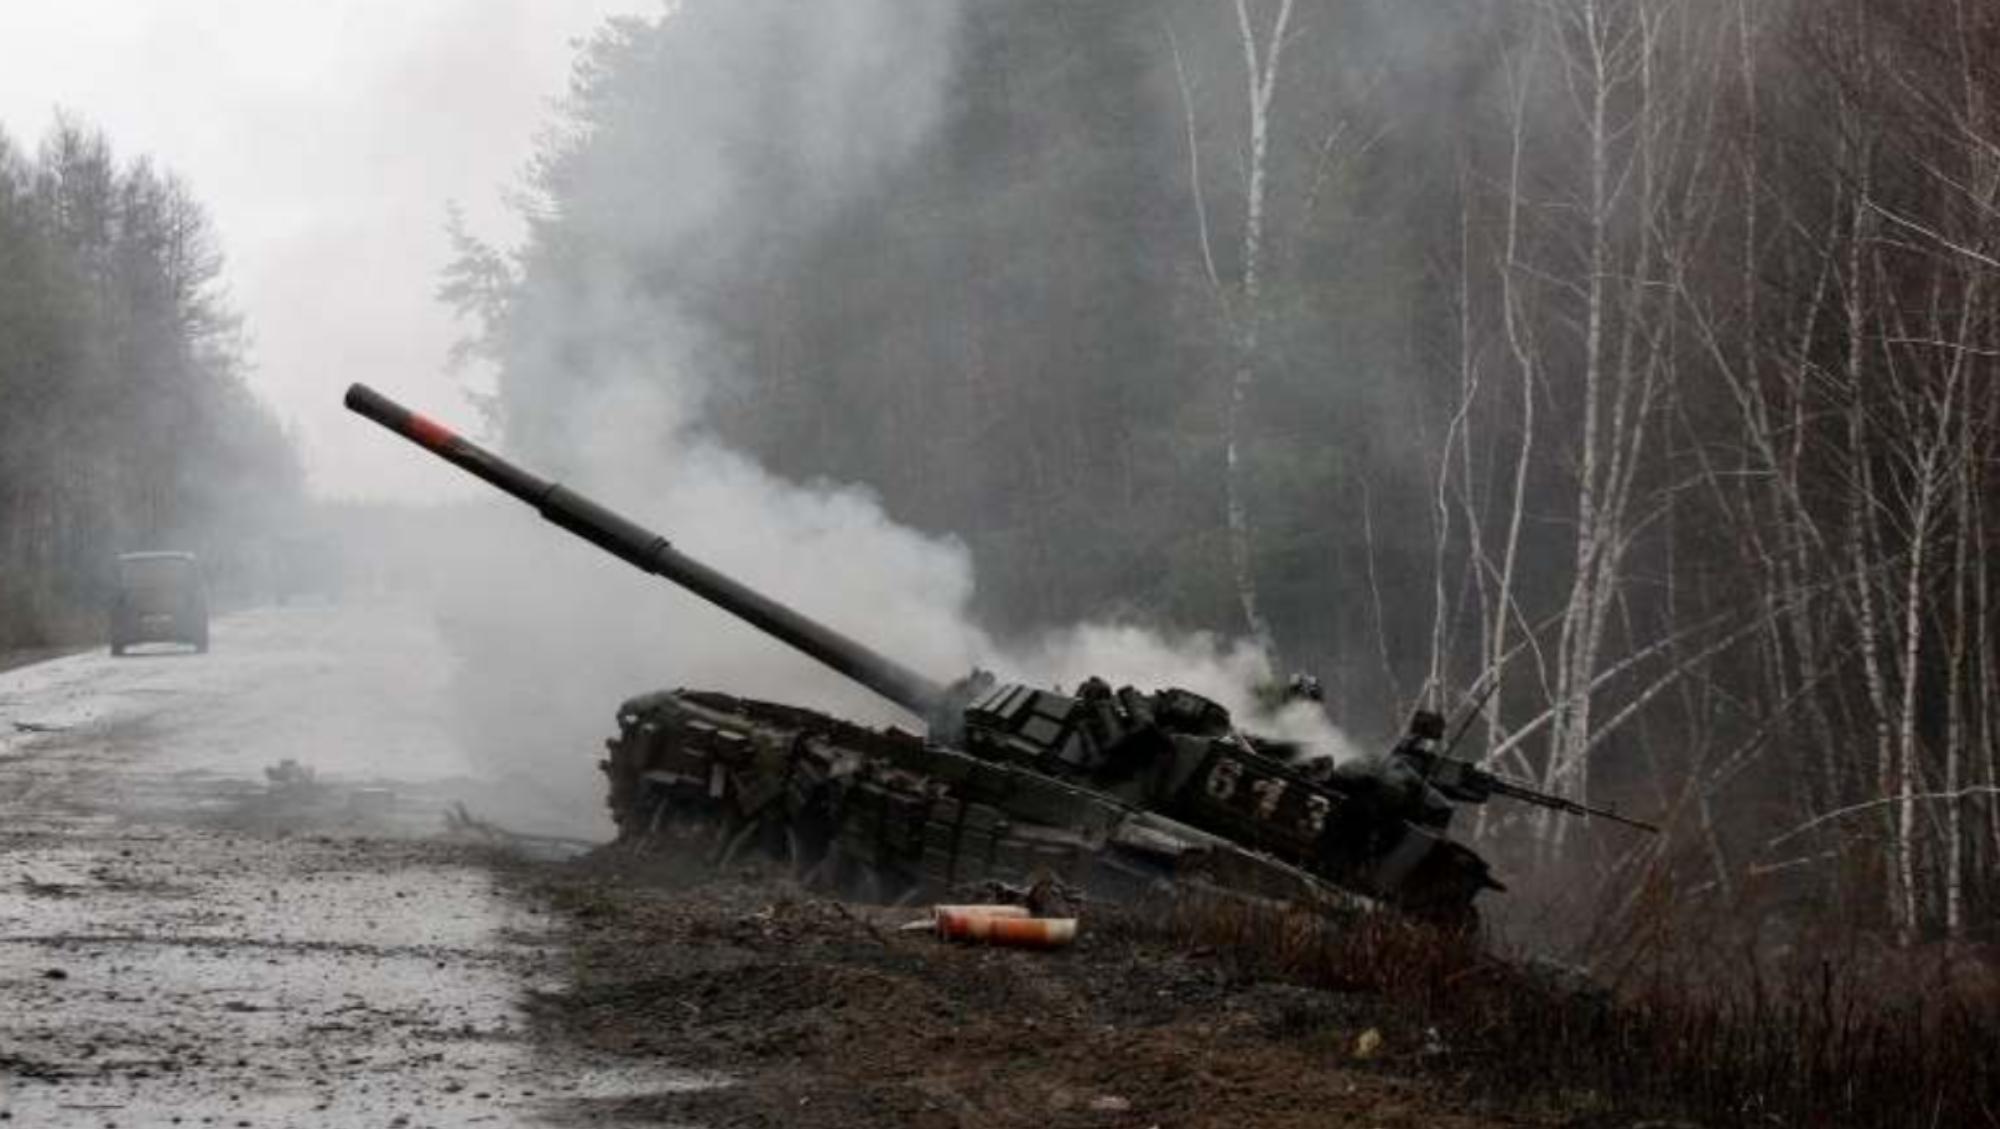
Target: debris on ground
{"points": [[1012, 928], [461, 825], [292, 779], [35, 888], [826, 1014], [1045, 897], [1367, 1045]]}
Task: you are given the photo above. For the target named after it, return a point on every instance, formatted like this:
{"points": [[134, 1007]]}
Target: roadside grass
{"points": [[1678, 1021], [1672, 1029], [29, 656], [48, 633]]}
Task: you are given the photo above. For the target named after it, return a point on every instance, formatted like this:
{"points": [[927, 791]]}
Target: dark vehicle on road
{"points": [[159, 598]]}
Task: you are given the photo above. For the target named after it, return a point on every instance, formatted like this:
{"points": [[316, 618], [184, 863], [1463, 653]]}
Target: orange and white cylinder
{"points": [[1013, 930]]}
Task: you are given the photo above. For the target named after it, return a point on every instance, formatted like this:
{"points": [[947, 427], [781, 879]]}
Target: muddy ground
{"points": [[824, 1014], [230, 895]]}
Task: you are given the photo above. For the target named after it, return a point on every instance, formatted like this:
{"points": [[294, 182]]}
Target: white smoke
{"points": [[1231, 672], [552, 633]]}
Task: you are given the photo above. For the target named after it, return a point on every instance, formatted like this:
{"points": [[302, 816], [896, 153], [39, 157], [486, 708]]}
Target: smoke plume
{"points": [[781, 113]]}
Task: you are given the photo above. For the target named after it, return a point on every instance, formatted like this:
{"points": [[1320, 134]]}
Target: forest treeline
{"points": [[125, 424], [1626, 366]]}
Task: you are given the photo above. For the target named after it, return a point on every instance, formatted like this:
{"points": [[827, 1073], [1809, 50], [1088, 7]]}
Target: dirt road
{"points": [[186, 938]]}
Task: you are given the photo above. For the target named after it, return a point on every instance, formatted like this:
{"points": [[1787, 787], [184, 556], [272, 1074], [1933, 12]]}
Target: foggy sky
{"points": [[325, 138]]}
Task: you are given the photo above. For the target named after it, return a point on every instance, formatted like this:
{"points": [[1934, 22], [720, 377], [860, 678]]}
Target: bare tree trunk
{"points": [[1906, 738], [1611, 63], [1860, 520], [1261, 72], [1572, 722], [1457, 445], [1954, 881], [1515, 318]]}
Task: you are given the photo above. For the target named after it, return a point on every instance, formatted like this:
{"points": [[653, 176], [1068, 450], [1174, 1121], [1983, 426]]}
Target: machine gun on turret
{"points": [[1467, 783]]}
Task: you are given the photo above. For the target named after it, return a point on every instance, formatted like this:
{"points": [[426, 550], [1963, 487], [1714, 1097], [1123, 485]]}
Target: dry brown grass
{"points": [[1852, 1037]]}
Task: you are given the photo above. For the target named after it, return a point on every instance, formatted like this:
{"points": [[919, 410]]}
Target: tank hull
{"points": [[883, 814]]}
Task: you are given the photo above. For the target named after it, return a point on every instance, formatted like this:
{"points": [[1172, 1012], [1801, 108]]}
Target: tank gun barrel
{"points": [[650, 552]]}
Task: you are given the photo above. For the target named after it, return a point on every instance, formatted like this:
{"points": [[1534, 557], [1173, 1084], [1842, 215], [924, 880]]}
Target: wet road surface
{"points": [[193, 932]]}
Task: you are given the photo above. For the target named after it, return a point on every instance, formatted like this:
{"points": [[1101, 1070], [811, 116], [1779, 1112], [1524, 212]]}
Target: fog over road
{"points": [[186, 938]]}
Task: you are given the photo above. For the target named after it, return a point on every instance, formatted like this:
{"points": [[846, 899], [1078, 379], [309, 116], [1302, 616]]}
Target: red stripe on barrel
{"points": [[429, 432]]}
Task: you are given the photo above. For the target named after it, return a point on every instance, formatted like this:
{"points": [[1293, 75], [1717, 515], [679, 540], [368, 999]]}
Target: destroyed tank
{"points": [[1118, 793]]}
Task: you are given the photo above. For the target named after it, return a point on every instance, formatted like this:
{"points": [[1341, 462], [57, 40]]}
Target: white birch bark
{"points": [[1261, 66]]}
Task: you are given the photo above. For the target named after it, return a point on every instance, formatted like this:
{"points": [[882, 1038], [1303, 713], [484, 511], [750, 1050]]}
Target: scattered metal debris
{"points": [[292, 778], [460, 823], [1002, 925], [1014, 931]]}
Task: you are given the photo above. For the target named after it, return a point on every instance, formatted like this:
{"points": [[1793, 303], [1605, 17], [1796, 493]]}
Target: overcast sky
{"points": [[325, 137]]}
